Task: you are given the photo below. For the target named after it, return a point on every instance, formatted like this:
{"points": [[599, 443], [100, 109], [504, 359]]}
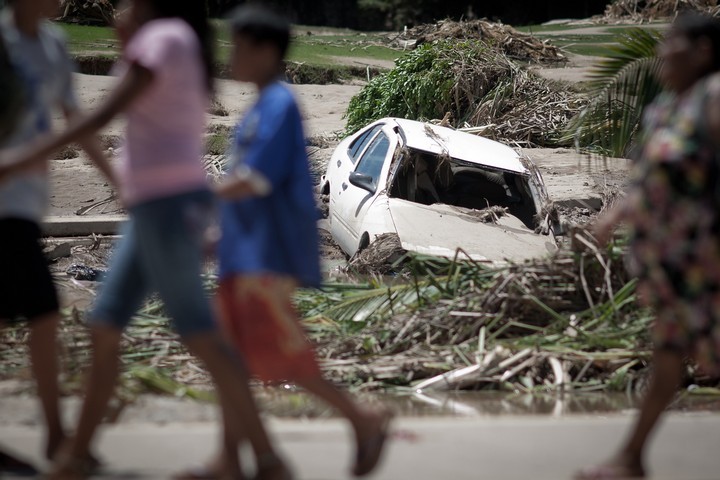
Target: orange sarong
{"points": [[257, 313]]}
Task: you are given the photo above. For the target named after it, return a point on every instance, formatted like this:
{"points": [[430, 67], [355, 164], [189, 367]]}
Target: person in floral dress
{"points": [[673, 211]]}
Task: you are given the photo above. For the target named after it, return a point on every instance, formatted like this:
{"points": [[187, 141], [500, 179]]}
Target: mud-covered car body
{"points": [[435, 187]]}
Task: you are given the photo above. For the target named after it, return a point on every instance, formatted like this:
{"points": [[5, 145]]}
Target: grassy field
{"points": [[589, 40], [311, 45]]}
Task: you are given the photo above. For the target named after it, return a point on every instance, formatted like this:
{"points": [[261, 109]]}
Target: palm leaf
{"points": [[623, 84], [379, 303]]}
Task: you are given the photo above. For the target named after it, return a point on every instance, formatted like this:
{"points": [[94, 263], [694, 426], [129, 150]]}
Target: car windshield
{"points": [[426, 178]]}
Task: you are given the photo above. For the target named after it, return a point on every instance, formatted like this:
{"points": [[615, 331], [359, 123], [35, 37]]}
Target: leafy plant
{"points": [[420, 86], [623, 84], [468, 83]]}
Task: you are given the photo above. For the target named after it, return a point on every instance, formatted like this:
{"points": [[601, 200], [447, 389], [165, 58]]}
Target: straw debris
{"points": [[645, 11], [469, 85], [507, 40], [566, 322]]}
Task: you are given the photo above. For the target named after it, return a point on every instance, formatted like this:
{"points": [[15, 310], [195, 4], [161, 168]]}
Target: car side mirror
{"points": [[363, 181]]}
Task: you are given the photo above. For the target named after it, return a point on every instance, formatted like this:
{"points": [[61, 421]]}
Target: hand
{"points": [[5, 172], [604, 227]]}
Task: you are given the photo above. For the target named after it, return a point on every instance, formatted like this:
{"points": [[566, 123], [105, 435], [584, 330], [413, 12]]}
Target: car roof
{"points": [[459, 145]]}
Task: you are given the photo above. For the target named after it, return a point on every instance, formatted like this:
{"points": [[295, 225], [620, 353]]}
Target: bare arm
{"points": [[713, 118], [243, 183], [135, 82], [609, 220]]}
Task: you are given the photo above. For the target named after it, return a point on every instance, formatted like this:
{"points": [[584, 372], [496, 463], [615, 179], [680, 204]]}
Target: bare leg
{"points": [[100, 385], [628, 462], [370, 426], [664, 384], [44, 357], [238, 404]]}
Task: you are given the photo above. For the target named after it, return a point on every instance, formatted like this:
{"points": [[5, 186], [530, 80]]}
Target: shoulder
{"points": [[167, 32], [279, 100]]}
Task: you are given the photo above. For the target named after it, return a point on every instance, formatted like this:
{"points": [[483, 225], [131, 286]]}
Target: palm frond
{"points": [[623, 84]]}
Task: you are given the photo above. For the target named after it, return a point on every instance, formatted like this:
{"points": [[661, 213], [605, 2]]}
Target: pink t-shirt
{"points": [[165, 126]]}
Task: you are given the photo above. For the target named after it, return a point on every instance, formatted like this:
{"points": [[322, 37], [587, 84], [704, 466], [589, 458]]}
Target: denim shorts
{"points": [[161, 251]]}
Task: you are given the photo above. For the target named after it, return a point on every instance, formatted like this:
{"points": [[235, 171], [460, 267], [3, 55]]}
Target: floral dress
{"points": [[676, 224]]}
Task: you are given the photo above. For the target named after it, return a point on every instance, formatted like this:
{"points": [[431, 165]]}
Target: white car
{"points": [[433, 186]]}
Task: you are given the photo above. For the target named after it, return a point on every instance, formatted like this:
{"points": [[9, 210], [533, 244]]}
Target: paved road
{"points": [[687, 448]]}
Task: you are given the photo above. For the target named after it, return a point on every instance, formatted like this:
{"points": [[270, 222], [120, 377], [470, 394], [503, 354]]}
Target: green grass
{"points": [[592, 44], [547, 28], [321, 45], [91, 40], [319, 48]]}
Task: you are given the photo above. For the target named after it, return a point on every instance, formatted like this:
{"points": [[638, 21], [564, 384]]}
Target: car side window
{"points": [[357, 147], [372, 161]]}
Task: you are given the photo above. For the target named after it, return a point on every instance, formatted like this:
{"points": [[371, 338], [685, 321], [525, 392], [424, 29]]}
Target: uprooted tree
{"points": [[469, 84], [87, 12]]}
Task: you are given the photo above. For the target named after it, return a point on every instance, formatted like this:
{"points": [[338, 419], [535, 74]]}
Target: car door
{"points": [[374, 163], [341, 164]]}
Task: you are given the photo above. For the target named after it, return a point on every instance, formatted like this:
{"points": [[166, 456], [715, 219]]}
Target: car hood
{"points": [[460, 145], [441, 230]]}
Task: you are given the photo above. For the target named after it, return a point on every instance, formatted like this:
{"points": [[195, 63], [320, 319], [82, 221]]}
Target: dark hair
{"points": [[695, 26], [193, 12], [261, 25]]}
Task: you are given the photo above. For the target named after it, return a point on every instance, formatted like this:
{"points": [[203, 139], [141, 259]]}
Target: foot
{"points": [[619, 467], [15, 467], [271, 467], [71, 468], [59, 448], [371, 438], [215, 469]]}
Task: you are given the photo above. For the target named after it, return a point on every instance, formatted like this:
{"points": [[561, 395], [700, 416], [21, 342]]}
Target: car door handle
{"points": [[344, 186], [339, 163]]}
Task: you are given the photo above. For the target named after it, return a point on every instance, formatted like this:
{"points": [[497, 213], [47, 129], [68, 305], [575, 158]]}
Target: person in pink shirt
{"points": [[165, 81]]}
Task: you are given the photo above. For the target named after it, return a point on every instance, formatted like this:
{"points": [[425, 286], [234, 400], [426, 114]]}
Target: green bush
{"points": [[421, 86]]}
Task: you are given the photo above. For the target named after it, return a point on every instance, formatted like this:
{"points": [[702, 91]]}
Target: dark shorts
{"points": [[26, 286]]}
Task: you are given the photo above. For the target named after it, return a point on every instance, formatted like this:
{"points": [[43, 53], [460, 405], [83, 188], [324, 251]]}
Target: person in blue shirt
{"points": [[269, 242]]}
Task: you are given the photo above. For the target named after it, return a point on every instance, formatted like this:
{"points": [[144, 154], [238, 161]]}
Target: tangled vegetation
{"points": [[642, 11], [511, 42], [569, 322], [469, 84]]}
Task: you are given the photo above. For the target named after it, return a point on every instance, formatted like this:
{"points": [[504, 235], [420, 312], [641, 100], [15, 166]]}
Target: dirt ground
{"points": [[77, 185]]}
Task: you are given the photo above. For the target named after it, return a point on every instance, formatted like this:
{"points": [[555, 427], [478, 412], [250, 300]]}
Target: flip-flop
{"points": [[608, 472], [14, 466], [369, 453]]}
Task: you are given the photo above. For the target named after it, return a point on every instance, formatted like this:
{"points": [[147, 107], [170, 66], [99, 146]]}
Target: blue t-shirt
{"points": [[277, 233]]}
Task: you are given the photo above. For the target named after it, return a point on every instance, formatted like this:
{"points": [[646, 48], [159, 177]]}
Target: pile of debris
{"points": [[381, 257], [644, 11], [472, 86], [569, 321], [88, 12], [502, 101], [511, 42]]}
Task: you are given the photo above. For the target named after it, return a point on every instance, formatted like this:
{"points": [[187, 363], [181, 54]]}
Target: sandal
{"points": [[15, 467], [369, 453]]}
